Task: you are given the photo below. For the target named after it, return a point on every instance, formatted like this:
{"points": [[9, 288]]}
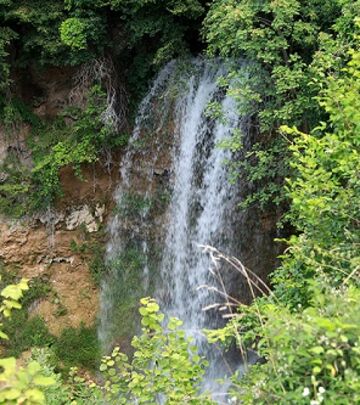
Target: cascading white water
{"points": [[202, 199], [199, 202], [200, 209]]}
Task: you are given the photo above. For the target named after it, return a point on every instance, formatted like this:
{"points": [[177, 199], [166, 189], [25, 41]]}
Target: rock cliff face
{"points": [[52, 245]]}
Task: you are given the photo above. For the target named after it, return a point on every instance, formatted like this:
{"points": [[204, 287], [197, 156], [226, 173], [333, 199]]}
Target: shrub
{"points": [[165, 367], [78, 347], [311, 356], [325, 194], [26, 333], [19, 385], [73, 33]]}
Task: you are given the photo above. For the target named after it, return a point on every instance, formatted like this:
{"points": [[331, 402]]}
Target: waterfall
{"points": [[181, 157]]}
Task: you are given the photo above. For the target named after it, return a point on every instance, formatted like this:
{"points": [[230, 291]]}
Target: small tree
{"points": [[19, 385], [165, 367]]}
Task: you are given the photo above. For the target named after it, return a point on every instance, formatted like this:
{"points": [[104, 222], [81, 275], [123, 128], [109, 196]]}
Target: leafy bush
{"points": [[74, 145], [290, 47], [53, 146], [73, 33], [57, 393], [165, 367], [286, 39], [311, 356], [22, 385], [39, 287], [6, 36], [26, 333], [19, 384], [325, 194], [78, 347]]}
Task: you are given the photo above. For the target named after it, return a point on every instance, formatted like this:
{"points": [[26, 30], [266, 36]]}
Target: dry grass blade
{"points": [[254, 283]]}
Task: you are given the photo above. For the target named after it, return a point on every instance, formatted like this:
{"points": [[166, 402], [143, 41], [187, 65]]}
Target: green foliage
{"points": [[83, 392], [37, 383], [144, 34], [75, 346], [26, 332], [36, 27], [78, 347], [68, 145], [14, 190], [39, 287], [14, 112], [75, 32], [155, 32], [53, 146], [165, 367], [310, 356], [160, 20], [16, 184], [74, 389], [290, 47], [306, 332], [24, 385], [72, 33], [284, 37], [265, 170], [19, 384], [6, 36], [325, 193], [58, 392], [11, 295]]}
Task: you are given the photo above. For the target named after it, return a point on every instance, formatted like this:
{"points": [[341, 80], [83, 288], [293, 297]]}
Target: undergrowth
{"points": [[78, 347]]}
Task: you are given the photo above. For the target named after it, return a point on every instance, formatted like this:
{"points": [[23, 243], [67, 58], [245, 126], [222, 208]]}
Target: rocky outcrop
{"points": [[43, 246], [36, 250], [84, 216]]}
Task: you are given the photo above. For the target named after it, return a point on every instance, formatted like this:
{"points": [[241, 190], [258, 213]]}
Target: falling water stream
{"points": [[201, 204]]}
